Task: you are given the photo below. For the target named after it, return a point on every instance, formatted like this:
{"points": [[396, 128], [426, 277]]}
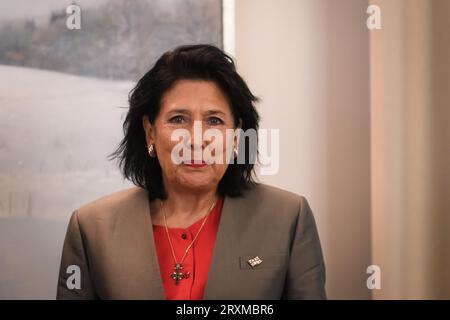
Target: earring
{"points": [[235, 151], [151, 150]]}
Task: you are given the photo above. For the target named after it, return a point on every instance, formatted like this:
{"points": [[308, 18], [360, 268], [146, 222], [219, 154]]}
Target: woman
{"points": [[192, 228]]}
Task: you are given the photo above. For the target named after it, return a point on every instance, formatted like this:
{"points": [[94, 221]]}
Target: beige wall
{"points": [[364, 132], [410, 76], [309, 62]]}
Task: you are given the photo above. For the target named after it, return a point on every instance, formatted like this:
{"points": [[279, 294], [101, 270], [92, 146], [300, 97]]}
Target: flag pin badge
{"points": [[255, 261]]}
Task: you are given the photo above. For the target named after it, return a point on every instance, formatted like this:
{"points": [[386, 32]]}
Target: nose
{"points": [[195, 141], [193, 146]]}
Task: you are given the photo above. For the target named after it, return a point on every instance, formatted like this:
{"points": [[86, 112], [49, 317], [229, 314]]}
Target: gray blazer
{"points": [[111, 241]]}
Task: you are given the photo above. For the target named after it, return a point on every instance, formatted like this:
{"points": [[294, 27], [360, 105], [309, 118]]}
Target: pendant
{"points": [[178, 275]]}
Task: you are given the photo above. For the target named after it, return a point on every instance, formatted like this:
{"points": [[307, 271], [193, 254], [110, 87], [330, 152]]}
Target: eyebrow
{"points": [[186, 111], [212, 112]]}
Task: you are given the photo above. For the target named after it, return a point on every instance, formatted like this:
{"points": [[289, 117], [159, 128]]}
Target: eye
{"points": [[215, 121], [177, 119]]}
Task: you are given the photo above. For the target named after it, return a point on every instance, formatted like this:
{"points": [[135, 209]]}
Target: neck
{"points": [[182, 205]]}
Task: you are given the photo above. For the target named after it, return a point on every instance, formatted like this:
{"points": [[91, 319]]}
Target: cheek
{"points": [[164, 147], [221, 150]]}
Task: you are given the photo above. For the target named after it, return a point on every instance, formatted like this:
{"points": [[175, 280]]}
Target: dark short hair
{"points": [[189, 62]]}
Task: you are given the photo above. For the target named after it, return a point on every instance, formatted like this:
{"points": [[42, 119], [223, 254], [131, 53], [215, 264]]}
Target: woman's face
{"points": [[187, 102]]}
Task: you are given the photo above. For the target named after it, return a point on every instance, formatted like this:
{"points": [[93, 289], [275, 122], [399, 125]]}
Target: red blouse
{"points": [[197, 259]]}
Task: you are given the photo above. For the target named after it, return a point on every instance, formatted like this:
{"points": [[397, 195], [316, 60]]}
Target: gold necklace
{"points": [[178, 275]]}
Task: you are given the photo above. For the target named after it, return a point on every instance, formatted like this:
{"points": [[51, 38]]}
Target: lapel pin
{"points": [[254, 261]]}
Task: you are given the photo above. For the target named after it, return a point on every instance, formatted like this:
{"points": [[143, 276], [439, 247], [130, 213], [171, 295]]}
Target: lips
{"points": [[192, 163]]}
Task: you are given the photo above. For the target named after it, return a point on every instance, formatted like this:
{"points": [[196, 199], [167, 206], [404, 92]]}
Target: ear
{"points": [[149, 130], [239, 126]]}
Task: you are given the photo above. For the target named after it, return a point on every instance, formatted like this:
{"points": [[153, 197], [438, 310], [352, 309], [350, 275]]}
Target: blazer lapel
{"points": [[148, 265], [221, 282]]}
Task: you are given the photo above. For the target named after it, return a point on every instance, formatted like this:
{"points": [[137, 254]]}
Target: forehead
{"points": [[195, 94]]}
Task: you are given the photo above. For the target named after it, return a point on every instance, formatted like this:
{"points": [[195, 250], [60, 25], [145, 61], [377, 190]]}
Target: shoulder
{"points": [[269, 202], [113, 205], [272, 195]]}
